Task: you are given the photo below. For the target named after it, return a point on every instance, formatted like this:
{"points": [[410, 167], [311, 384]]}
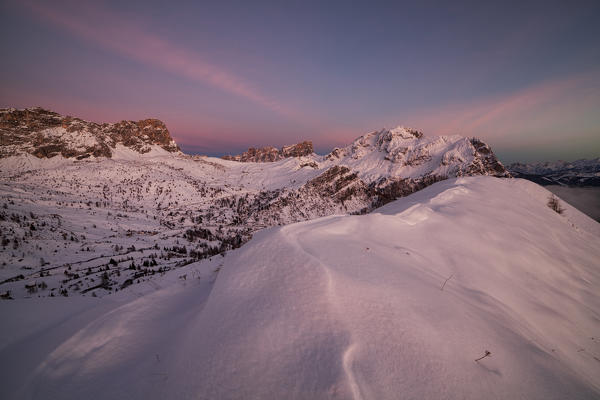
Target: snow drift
{"points": [[394, 304]]}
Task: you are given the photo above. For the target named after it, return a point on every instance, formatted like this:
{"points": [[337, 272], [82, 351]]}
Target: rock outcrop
{"points": [[270, 154], [46, 134], [298, 150]]}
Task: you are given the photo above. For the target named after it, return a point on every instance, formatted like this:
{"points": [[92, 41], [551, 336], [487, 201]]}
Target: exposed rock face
{"points": [[264, 154], [389, 189], [46, 134], [394, 163], [485, 161], [270, 154], [298, 150], [337, 190]]}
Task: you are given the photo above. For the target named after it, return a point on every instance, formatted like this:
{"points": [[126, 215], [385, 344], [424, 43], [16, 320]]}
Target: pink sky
{"points": [[220, 94]]}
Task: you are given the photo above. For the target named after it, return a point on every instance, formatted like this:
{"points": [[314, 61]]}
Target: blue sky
{"points": [[523, 76]]}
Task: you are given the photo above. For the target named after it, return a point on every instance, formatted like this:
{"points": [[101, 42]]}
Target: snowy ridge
{"points": [[398, 302]]}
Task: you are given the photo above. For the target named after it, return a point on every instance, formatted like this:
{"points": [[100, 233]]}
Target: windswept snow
{"points": [[393, 304]]}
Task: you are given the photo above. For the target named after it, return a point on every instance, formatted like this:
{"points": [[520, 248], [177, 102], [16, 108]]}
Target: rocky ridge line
{"points": [[45, 134], [270, 153]]}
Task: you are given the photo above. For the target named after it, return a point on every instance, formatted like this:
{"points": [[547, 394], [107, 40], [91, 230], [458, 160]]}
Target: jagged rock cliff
{"points": [[46, 134], [270, 154]]}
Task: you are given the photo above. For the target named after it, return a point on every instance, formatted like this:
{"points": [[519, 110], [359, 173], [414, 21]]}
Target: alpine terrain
{"points": [[89, 209], [399, 266]]}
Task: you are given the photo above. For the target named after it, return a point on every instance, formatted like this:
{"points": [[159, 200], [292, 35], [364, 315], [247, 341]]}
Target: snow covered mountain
{"points": [[576, 173], [393, 160], [92, 208], [472, 288]]}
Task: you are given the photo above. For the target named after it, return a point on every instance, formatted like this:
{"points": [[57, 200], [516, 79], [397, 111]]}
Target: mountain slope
{"points": [[353, 306], [397, 303], [89, 209], [406, 153]]}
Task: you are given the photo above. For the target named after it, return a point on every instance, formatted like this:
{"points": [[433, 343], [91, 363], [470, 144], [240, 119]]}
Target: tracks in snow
{"points": [[293, 236]]}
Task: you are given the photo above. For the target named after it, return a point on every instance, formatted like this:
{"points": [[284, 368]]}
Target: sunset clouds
{"points": [[547, 114], [105, 28], [232, 74], [538, 102]]}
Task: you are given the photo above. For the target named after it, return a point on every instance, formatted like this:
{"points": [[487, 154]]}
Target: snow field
{"points": [[397, 303]]}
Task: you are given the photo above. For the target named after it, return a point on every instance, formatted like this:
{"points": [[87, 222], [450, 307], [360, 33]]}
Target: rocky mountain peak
{"points": [[46, 134], [270, 153], [298, 150], [391, 141], [408, 153], [401, 132]]}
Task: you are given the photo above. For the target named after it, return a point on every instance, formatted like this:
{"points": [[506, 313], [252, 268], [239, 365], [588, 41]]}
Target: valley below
{"points": [[585, 199]]}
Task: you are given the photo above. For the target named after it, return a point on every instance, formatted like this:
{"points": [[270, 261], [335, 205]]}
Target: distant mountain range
{"points": [[377, 167], [575, 173], [270, 153]]}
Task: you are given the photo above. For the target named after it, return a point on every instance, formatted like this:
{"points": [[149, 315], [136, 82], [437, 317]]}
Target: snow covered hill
{"points": [[398, 303]]}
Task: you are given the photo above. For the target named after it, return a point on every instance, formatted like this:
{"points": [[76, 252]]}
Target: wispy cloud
{"points": [[543, 106], [109, 30], [554, 114]]}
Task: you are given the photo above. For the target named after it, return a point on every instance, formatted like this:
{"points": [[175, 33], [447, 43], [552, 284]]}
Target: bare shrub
{"points": [[554, 204]]}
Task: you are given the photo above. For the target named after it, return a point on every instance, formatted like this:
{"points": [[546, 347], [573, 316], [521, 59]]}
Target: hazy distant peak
{"points": [[270, 153], [571, 173]]}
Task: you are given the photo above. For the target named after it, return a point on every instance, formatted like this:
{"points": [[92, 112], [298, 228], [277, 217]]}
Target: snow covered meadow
{"points": [[398, 303]]}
